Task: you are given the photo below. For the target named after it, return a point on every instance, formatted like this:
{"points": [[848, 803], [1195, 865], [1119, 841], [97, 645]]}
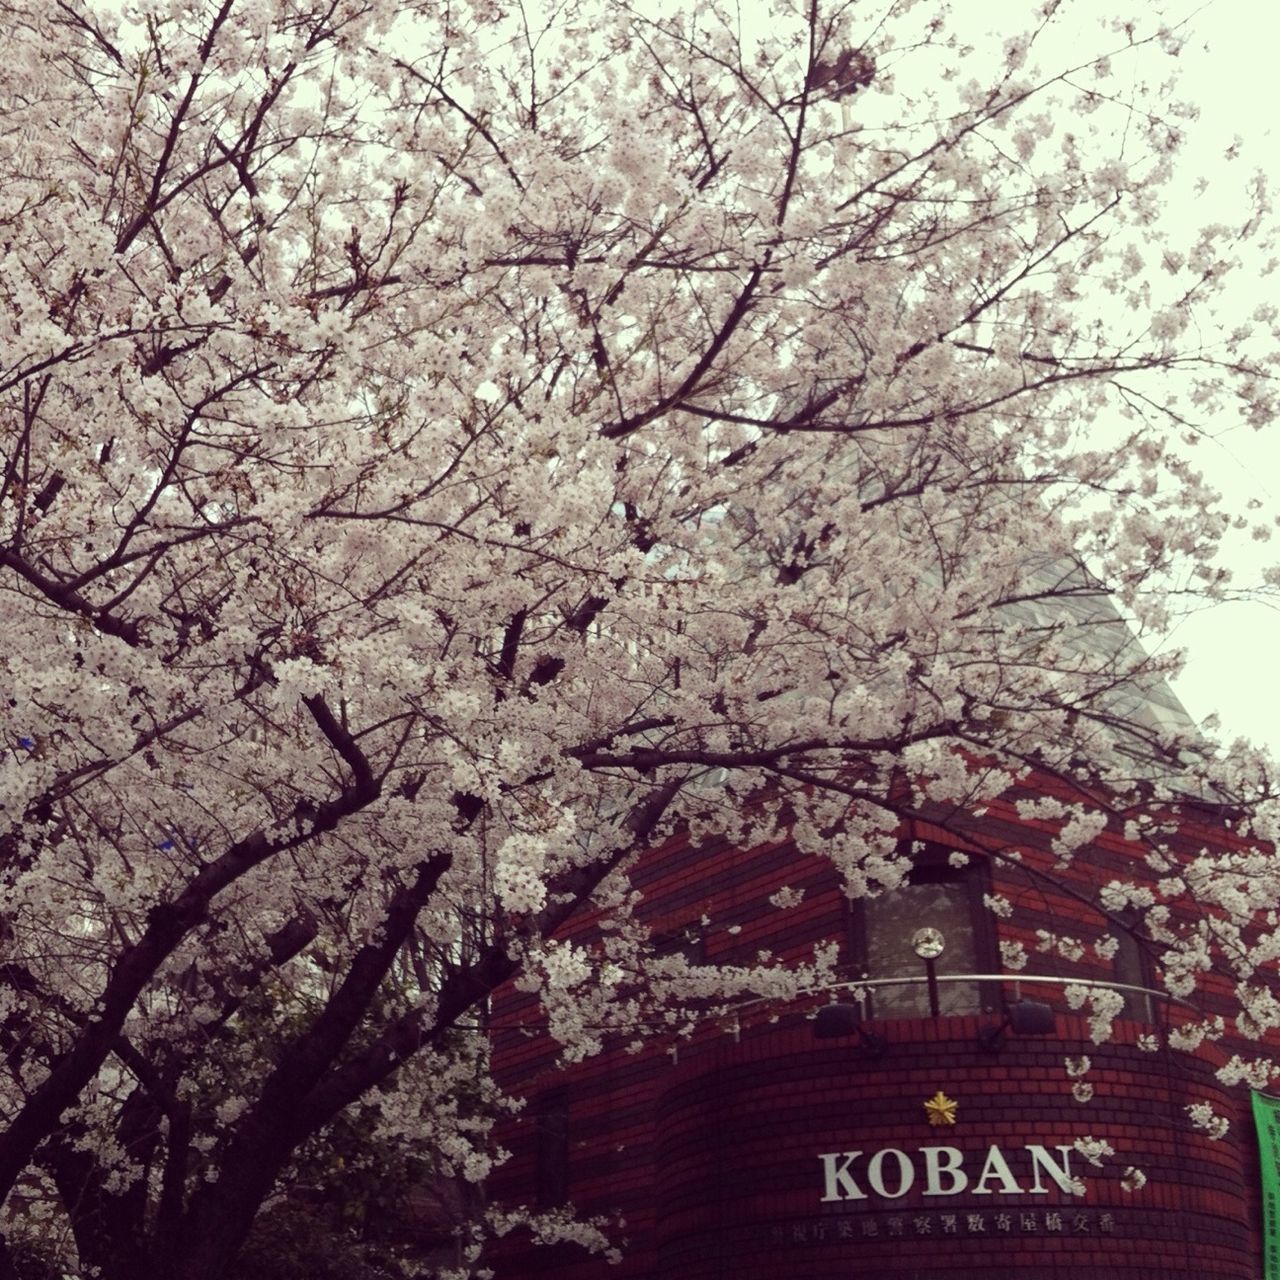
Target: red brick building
{"points": [[757, 1149]]}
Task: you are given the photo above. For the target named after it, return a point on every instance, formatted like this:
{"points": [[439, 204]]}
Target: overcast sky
{"points": [[1234, 650], [1228, 69]]}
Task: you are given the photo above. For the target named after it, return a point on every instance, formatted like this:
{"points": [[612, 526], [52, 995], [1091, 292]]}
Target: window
{"points": [[687, 941], [1130, 966], [946, 898], [552, 1155]]}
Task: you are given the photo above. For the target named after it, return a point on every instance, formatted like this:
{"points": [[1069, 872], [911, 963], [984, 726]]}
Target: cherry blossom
{"points": [[443, 458]]}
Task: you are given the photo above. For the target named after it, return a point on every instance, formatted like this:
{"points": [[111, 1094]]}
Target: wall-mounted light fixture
{"points": [[833, 1021], [1023, 1018]]}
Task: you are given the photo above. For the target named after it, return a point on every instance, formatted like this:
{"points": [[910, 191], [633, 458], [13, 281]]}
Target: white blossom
{"points": [[445, 464], [1094, 1150], [1204, 1118]]}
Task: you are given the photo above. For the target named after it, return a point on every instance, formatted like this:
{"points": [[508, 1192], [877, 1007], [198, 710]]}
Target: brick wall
{"points": [[704, 1153], [739, 1181]]}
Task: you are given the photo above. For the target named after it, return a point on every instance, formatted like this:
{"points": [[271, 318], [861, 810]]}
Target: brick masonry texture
{"points": [[704, 1153], [741, 1184]]}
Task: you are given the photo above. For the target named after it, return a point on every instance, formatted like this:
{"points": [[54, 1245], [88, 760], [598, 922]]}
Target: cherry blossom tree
{"points": [[439, 442]]}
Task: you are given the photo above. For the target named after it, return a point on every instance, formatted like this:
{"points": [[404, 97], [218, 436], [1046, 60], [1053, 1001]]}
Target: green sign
{"points": [[1266, 1116]]}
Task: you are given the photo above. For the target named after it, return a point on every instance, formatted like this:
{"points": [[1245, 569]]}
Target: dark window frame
{"points": [[931, 865], [1132, 964], [551, 1148], [687, 940]]}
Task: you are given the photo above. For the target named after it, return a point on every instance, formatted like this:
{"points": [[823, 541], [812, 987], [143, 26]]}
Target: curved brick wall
{"points": [[740, 1183], [703, 1154]]}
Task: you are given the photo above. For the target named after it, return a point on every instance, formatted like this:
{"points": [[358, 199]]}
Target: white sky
{"points": [[1229, 69]]}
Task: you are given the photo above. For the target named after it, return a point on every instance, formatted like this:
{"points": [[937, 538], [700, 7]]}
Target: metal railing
{"points": [[861, 987], [1017, 979]]}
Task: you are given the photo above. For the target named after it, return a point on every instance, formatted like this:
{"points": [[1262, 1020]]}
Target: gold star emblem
{"points": [[940, 1109]]}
